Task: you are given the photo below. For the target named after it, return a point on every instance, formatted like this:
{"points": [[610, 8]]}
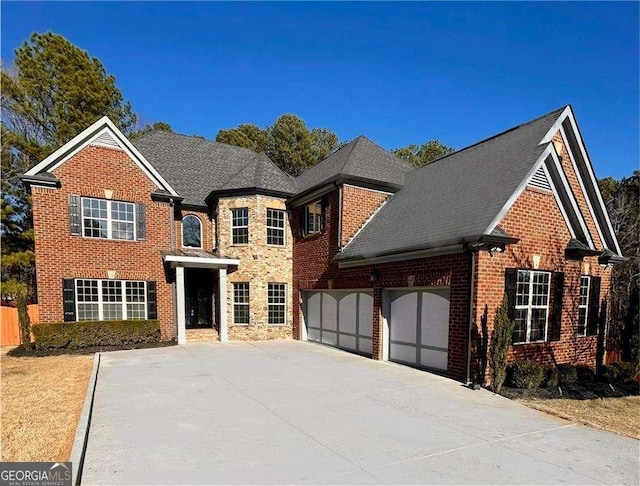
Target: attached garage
{"points": [[343, 319], [418, 326]]}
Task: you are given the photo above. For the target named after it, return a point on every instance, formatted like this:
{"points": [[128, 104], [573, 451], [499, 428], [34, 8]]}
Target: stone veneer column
{"points": [[222, 302], [180, 304]]}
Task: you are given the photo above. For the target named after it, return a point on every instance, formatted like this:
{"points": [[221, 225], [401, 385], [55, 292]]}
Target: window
{"points": [[241, 303], [313, 218], [99, 300], [277, 303], [240, 226], [191, 232], [102, 218], [583, 305], [275, 227], [532, 306]]}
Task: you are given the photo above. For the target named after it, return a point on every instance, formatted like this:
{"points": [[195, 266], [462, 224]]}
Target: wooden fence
{"points": [[9, 326]]}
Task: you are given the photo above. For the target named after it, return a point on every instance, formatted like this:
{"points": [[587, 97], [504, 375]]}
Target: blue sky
{"points": [[399, 73]]}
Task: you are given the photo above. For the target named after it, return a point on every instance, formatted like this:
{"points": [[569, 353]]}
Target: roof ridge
{"points": [[495, 136], [348, 158], [258, 172]]}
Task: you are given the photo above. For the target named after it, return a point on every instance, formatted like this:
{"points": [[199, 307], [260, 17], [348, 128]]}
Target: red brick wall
{"points": [[535, 218], [313, 268], [60, 255], [358, 205]]}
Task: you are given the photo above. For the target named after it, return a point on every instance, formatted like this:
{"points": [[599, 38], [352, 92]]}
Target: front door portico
{"points": [[191, 300]]}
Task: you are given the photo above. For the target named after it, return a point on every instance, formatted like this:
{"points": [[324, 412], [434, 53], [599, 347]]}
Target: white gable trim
{"points": [[549, 151], [516, 194], [557, 126], [75, 145]]}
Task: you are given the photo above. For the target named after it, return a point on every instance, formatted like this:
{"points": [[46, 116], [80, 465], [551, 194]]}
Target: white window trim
{"points": [[234, 303], [283, 305], [306, 218], [109, 219], [585, 306], [201, 232], [277, 228], [239, 227], [101, 303], [530, 307]]}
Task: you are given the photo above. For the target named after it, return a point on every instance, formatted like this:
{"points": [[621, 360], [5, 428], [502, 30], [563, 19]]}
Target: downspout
{"points": [[471, 297], [172, 245], [340, 217]]}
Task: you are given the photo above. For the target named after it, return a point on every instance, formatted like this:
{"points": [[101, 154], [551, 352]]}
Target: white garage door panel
{"points": [[430, 358], [348, 313], [403, 318], [366, 345], [329, 312], [419, 326], [435, 320], [366, 315], [340, 318]]}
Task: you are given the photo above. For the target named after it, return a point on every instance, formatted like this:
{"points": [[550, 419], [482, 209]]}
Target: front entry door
{"points": [[198, 298]]}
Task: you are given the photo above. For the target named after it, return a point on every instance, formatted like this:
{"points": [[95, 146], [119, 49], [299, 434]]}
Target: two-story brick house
{"points": [[361, 252]]}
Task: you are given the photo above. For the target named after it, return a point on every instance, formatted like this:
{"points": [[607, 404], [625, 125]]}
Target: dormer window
{"points": [[314, 217], [191, 232]]}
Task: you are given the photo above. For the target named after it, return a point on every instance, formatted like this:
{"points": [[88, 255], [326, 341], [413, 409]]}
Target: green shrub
{"points": [[84, 334], [624, 371], [500, 342], [568, 374], [526, 374], [550, 377], [585, 373], [610, 372]]}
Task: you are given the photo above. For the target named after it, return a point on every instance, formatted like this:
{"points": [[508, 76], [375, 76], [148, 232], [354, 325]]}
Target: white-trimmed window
{"points": [[583, 304], [532, 306], [275, 227], [103, 218], [104, 300], [240, 226], [313, 218], [277, 299], [191, 232], [241, 303]]}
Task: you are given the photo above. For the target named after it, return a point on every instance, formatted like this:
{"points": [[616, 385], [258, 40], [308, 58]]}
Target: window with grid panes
{"points": [[583, 304], [532, 306], [241, 303], [103, 300], [103, 218], [277, 302], [275, 227], [240, 226]]}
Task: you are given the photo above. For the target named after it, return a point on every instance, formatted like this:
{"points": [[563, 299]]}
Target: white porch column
{"points": [[180, 304], [222, 302]]}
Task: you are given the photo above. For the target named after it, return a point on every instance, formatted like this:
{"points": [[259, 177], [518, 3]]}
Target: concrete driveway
{"points": [[289, 412]]}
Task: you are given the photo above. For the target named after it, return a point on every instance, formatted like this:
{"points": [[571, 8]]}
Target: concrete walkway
{"points": [[289, 412]]}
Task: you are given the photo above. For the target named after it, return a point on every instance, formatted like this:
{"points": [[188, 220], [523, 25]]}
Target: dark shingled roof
{"points": [[195, 167], [454, 198], [360, 159]]}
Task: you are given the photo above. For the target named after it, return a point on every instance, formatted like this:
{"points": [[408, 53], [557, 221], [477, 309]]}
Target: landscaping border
{"points": [[82, 431]]}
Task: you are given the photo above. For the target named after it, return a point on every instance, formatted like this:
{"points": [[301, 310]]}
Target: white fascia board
{"points": [[398, 257], [556, 126], [594, 181], [218, 262], [516, 194], [86, 137], [556, 195]]}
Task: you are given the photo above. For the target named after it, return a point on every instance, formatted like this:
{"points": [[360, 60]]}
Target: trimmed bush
{"points": [[568, 374], [610, 372], [585, 373], [526, 374], [550, 377], [624, 371], [84, 334]]}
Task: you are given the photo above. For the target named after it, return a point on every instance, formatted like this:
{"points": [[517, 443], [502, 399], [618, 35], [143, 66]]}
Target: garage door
{"points": [[419, 327], [340, 318]]}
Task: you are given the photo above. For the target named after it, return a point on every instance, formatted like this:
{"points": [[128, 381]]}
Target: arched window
{"points": [[191, 231]]}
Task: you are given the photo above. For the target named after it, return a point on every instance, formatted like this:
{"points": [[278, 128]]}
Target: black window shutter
{"points": [[141, 222], [74, 215], [510, 278], [69, 299], [152, 305], [594, 307], [323, 218], [556, 317]]}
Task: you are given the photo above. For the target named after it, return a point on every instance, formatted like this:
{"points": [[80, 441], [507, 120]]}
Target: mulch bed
{"points": [[581, 390], [19, 351]]}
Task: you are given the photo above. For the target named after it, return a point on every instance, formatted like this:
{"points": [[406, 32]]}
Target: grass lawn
{"points": [[41, 400], [620, 414]]}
